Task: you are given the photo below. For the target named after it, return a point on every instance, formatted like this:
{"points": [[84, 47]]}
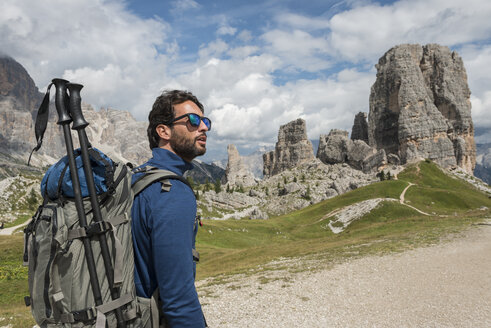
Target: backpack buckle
{"points": [[84, 315], [97, 228]]}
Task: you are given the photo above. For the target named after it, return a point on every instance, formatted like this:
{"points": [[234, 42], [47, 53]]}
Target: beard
{"points": [[186, 148]]}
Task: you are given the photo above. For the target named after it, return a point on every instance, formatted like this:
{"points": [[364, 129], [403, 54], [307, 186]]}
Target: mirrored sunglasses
{"points": [[194, 120]]}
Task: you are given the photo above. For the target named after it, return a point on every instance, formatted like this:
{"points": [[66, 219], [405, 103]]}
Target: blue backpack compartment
{"points": [[57, 182]]}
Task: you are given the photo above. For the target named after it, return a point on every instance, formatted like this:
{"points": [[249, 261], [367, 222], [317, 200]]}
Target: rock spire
{"points": [[293, 148], [420, 106], [236, 173]]}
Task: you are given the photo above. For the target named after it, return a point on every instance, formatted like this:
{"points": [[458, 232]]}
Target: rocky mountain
{"points": [[17, 87], [420, 106], [292, 149], [203, 172], [483, 162]]}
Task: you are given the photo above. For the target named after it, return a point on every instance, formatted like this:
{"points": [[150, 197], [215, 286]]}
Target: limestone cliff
{"points": [[17, 87], [420, 106]]}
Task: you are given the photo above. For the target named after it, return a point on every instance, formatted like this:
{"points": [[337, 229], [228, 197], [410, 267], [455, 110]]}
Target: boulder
{"points": [[337, 148]]}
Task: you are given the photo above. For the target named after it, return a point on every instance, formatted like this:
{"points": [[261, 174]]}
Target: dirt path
{"points": [[447, 285], [9, 231]]}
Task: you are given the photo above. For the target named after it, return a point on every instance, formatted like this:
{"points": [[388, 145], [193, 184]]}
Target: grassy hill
{"points": [[235, 246], [239, 246]]}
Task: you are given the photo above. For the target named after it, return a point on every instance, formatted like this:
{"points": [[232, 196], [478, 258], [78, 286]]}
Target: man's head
{"points": [[176, 124]]}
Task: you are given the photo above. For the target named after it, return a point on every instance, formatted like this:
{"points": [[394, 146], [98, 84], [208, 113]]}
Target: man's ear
{"points": [[164, 132]]}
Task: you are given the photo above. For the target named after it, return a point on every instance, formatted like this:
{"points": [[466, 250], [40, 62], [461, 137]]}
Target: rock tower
{"points": [[236, 172], [359, 131], [420, 106], [292, 149]]}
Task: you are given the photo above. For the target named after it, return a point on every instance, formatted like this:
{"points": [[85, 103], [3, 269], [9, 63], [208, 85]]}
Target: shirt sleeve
{"points": [[172, 217]]}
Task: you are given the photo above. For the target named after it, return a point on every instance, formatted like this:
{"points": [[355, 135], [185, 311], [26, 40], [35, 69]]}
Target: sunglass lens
{"points": [[207, 122], [194, 119]]}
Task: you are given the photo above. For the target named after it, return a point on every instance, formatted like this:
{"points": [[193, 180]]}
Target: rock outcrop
{"points": [[337, 148], [359, 131], [236, 173], [113, 131], [293, 148], [17, 86], [420, 107]]}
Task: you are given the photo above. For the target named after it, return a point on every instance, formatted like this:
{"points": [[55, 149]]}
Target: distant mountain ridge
{"points": [[483, 162]]}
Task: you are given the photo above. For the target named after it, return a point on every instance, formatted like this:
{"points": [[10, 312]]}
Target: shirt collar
{"points": [[165, 159]]}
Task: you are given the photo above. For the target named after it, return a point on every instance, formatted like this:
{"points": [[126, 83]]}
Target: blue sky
{"points": [[255, 65]]}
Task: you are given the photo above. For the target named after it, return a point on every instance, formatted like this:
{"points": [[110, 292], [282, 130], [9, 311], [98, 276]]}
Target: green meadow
{"points": [[246, 246]]}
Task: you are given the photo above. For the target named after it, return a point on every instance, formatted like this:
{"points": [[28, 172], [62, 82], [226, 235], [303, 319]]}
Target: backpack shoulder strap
{"points": [[152, 175]]}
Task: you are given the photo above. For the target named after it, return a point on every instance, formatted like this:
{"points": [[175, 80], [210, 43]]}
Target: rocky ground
{"points": [[446, 285], [293, 189]]}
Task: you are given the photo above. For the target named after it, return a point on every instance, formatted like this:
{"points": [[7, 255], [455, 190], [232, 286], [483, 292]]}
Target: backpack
{"points": [[59, 283]]}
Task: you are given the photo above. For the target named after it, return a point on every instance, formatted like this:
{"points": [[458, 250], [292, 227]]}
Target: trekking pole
{"points": [[79, 124], [64, 120]]}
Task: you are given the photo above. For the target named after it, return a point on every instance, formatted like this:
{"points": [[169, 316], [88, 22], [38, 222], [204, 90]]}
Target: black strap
{"points": [[109, 169], [60, 181], [41, 122]]}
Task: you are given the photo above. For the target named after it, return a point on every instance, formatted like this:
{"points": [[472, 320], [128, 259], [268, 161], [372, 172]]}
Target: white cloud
{"points": [[332, 103], [245, 36], [226, 30], [365, 32], [298, 49], [297, 21], [477, 62], [480, 110], [98, 44], [182, 5], [213, 49], [243, 52]]}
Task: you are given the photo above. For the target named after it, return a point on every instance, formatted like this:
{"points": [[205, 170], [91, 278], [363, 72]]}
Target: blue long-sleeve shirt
{"points": [[164, 234]]}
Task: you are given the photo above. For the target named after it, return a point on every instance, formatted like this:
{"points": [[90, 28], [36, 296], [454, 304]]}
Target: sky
{"points": [[255, 65]]}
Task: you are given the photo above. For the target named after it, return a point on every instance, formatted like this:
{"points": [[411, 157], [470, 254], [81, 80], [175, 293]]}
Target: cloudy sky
{"points": [[255, 65]]}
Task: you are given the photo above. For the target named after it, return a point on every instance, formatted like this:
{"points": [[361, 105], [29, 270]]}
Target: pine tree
{"points": [[32, 200], [218, 186], [191, 181]]}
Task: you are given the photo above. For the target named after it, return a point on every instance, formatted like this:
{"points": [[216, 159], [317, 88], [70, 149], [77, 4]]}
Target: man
{"points": [[164, 222]]}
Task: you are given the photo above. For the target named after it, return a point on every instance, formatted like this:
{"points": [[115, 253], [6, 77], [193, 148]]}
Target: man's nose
{"points": [[202, 126]]}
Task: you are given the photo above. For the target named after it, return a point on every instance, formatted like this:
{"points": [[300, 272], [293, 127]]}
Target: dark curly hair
{"points": [[163, 111]]}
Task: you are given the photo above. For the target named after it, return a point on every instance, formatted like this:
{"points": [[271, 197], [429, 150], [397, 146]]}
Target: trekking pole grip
{"points": [[60, 101], [79, 121]]}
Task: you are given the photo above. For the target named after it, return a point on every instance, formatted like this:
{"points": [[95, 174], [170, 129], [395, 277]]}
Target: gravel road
{"points": [[446, 285]]}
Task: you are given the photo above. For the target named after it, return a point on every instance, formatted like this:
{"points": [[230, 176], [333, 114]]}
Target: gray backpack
{"points": [[59, 283]]}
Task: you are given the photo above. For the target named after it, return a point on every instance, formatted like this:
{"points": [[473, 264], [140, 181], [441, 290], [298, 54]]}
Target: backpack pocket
{"points": [[44, 233], [151, 316]]}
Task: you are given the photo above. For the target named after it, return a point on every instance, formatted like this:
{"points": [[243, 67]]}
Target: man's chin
{"points": [[201, 152]]}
